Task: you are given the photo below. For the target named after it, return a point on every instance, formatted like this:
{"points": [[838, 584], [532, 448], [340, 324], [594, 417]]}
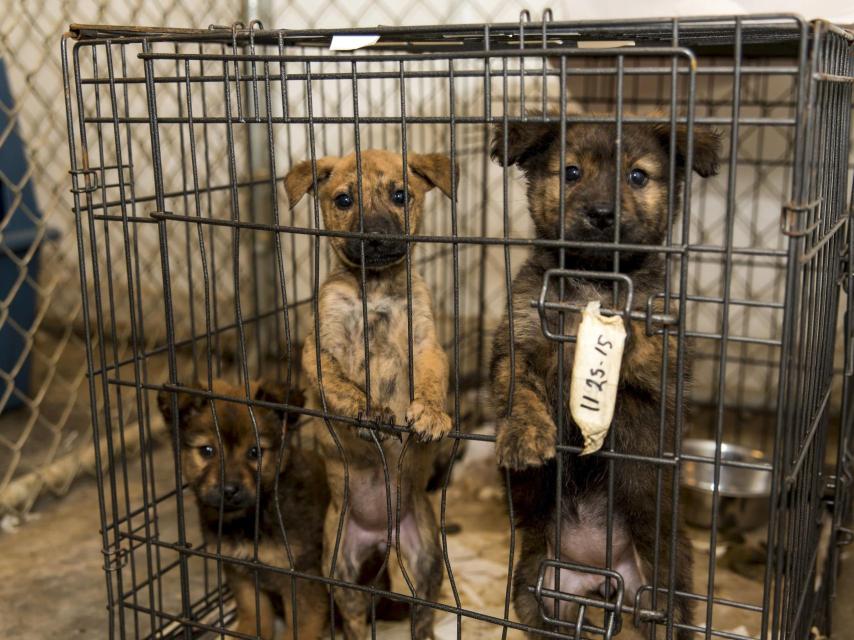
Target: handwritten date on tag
{"points": [[596, 374]]}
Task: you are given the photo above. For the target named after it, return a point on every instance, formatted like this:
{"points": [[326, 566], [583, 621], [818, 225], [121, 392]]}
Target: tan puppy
{"points": [[337, 374], [295, 490]]}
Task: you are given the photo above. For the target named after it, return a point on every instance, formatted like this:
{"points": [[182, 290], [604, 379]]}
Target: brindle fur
{"points": [[336, 373], [294, 491], [526, 431]]}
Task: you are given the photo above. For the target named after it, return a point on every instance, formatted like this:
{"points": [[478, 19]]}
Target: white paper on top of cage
{"points": [[604, 44], [352, 42], [596, 374]]}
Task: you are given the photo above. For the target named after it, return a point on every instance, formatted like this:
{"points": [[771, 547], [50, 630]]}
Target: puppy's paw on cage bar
{"points": [[370, 266]]}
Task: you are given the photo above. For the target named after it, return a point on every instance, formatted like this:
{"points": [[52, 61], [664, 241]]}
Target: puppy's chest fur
{"points": [[388, 342], [237, 541], [528, 329], [270, 551]]}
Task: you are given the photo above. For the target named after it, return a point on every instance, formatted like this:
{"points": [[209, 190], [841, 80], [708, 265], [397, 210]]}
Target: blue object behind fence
{"points": [[21, 229]]}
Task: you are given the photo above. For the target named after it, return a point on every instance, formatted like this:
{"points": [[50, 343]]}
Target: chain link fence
{"points": [[45, 424], [45, 431], [45, 420]]}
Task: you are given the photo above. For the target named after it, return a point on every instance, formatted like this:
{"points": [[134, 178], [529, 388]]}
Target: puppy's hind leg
{"points": [[312, 610], [251, 620], [532, 552], [526, 574], [422, 554], [352, 604]]}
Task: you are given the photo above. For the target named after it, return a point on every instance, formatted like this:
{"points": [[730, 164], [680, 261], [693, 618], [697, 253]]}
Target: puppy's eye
{"points": [[398, 197], [572, 173], [207, 451], [638, 177], [343, 201], [254, 453]]}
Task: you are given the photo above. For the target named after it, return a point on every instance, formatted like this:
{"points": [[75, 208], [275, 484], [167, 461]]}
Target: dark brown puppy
{"points": [[526, 432], [334, 362], [293, 495]]}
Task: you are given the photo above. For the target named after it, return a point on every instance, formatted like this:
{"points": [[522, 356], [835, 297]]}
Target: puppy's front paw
{"points": [[520, 443], [428, 421], [374, 418]]}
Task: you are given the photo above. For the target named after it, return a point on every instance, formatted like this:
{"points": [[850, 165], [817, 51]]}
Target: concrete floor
{"points": [[51, 577], [52, 584]]}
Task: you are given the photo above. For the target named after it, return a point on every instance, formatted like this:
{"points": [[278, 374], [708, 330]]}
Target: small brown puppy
{"points": [[334, 362], [526, 432], [293, 495]]}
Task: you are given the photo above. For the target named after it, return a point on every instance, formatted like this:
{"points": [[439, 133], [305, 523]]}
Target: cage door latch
{"points": [[115, 558], [554, 602], [90, 178], [642, 615], [547, 300], [790, 215]]}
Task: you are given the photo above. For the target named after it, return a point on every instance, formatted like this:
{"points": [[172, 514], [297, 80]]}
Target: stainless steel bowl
{"points": [[742, 492]]}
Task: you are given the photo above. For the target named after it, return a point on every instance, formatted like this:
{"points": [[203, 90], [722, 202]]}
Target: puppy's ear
{"points": [[280, 393], [299, 180], [707, 146], [188, 404], [435, 168], [524, 141]]}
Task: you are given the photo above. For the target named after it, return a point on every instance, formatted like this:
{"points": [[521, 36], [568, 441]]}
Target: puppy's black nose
{"points": [[380, 224], [379, 249], [600, 214], [230, 490]]}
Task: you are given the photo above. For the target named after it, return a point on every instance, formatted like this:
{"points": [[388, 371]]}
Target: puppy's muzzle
{"points": [[379, 250], [600, 215], [232, 494]]}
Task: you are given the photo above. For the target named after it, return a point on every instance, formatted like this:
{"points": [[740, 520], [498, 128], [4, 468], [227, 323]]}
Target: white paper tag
{"points": [[351, 43], [604, 44], [596, 374]]}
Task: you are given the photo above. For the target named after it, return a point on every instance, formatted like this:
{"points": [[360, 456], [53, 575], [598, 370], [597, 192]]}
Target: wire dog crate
{"points": [[756, 261]]}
